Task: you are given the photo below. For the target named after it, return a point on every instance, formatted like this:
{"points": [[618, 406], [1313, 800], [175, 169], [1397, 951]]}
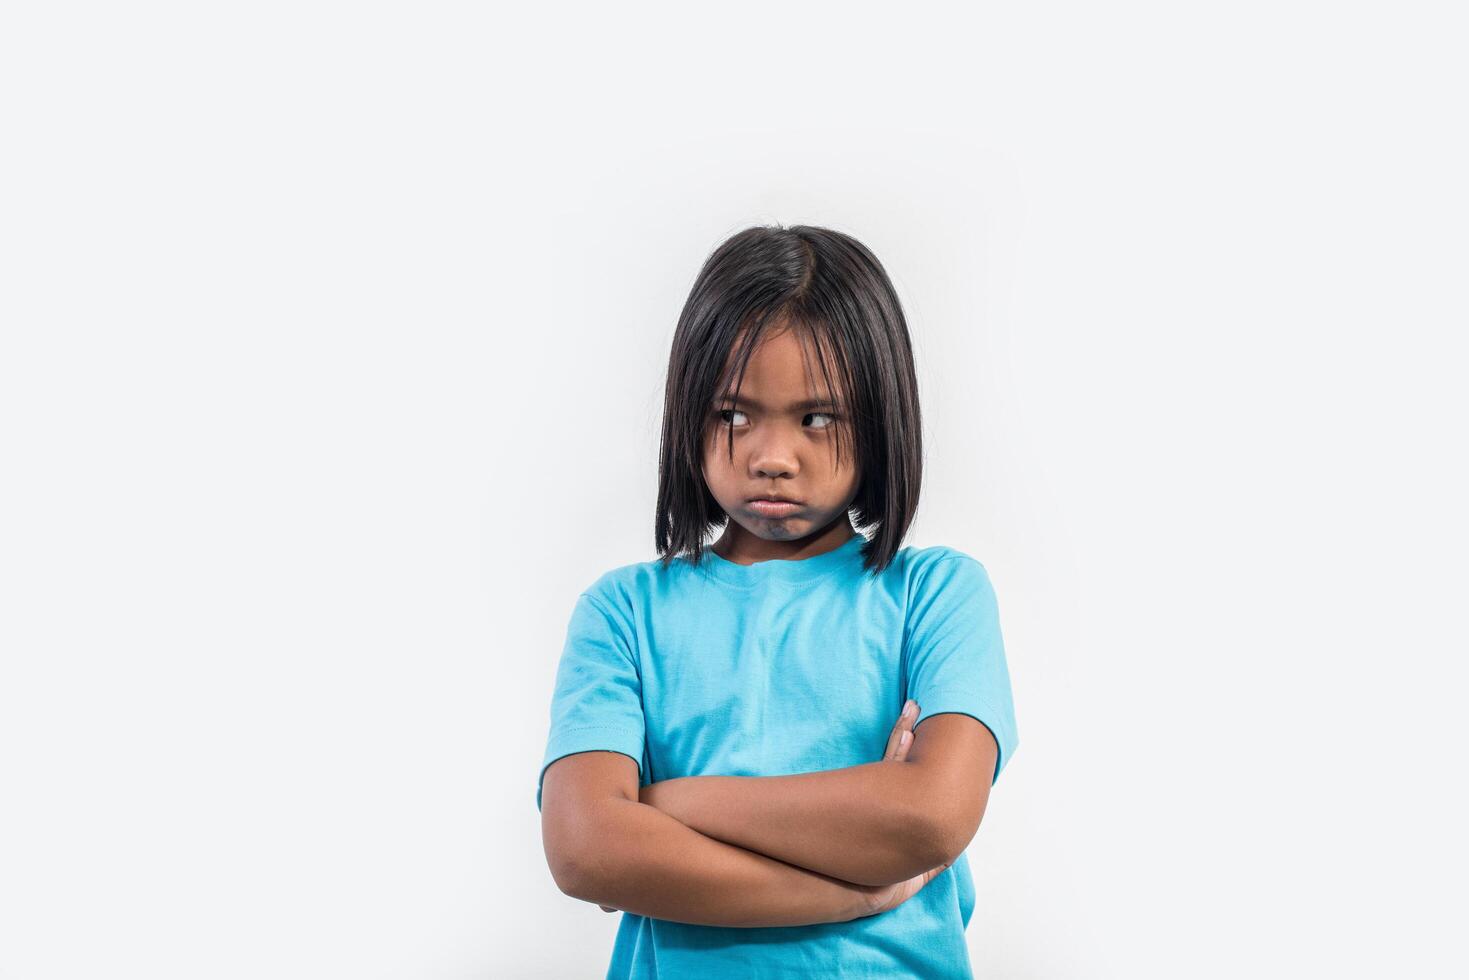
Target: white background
{"points": [[333, 340]]}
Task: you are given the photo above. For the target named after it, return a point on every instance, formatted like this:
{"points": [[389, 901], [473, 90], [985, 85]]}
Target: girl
{"points": [[715, 766]]}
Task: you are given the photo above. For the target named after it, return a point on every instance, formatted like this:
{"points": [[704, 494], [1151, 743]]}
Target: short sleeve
{"points": [[955, 657], [597, 702]]}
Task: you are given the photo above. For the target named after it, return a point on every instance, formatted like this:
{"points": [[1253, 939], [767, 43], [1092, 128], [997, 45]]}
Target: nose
{"points": [[773, 455]]}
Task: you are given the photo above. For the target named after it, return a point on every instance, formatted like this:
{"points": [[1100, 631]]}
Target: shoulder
{"points": [[619, 591], [613, 589], [929, 560], [941, 567]]}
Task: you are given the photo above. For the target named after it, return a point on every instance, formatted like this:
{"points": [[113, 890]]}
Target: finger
{"points": [[931, 875], [905, 742], [894, 737], [897, 748]]}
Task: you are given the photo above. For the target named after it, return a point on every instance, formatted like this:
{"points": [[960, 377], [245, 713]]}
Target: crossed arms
{"points": [[768, 850]]}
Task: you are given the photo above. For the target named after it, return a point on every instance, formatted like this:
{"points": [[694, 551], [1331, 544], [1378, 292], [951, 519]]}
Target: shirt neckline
{"points": [[783, 570]]}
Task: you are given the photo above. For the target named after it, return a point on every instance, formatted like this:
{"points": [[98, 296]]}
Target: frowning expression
{"points": [[786, 481]]}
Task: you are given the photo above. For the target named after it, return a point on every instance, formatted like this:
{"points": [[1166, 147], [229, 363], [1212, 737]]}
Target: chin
{"points": [[771, 528]]}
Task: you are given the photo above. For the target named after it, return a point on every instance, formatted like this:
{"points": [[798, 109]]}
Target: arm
{"points": [[604, 846], [872, 824]]}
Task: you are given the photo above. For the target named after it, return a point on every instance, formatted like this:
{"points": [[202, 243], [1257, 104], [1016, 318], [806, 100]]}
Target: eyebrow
{"points": [[803, 406]]}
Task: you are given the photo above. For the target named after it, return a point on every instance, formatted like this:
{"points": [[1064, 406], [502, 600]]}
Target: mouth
{"points": [[774, 506]]}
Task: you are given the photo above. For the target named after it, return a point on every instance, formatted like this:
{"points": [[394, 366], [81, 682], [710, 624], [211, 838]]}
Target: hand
{"points": [[901, 738], [880, 898]]}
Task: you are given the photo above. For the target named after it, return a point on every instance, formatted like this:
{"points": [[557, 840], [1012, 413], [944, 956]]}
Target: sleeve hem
{"points": [[982, 711], [591, 738]]}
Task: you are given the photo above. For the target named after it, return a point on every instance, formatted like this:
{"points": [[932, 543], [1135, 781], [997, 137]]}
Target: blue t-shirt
{"points": [[781, 667]]}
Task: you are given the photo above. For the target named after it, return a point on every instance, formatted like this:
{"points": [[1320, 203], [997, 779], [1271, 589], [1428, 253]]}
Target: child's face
{"points": [[782, 448]]}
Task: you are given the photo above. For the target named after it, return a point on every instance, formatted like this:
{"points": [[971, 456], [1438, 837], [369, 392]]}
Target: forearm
{"points": [[648, 863], [865, 824]]}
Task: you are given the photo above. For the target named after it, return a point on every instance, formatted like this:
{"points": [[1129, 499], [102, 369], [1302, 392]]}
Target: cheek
{"points": [[712, 463], [716, 468], [716, 451], [719, 474]]}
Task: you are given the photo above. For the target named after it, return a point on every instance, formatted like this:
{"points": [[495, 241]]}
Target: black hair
{"points": [[835, 293]]}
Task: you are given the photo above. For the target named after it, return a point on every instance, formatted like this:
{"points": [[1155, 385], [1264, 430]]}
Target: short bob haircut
{"points": [[835, 293]]}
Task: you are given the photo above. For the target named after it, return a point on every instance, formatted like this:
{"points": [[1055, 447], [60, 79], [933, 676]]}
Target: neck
{"points": [[740, 546]]}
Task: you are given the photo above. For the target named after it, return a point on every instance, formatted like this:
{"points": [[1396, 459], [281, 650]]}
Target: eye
{"points": [[721, 413], [824, 415]]}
